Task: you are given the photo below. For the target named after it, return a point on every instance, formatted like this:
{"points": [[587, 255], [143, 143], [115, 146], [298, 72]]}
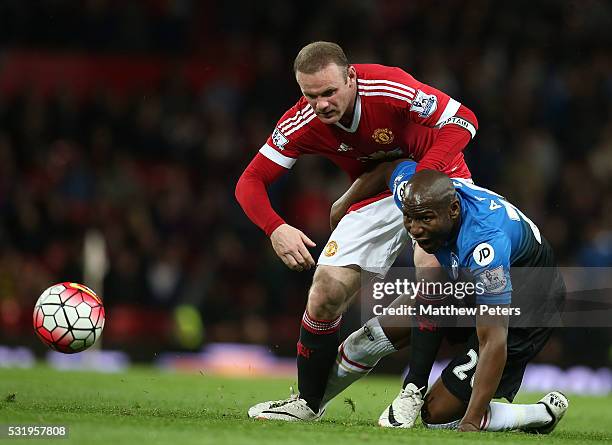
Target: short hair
{"points": [[317, 55]]}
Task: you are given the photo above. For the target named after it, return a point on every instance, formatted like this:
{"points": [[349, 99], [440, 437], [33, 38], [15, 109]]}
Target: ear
{"points": [[455, 209], [352, 74]]}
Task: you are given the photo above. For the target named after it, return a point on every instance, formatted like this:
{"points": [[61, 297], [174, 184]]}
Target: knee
{"points": [[440, 409], [427, 267], [327, 297], [424, 259], [432, 412]]}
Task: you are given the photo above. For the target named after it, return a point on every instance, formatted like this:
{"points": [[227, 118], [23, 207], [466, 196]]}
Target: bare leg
{"points": [[442, 407]]}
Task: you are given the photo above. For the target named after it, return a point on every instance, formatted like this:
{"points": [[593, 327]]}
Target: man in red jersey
{"points": [[356, 116]]}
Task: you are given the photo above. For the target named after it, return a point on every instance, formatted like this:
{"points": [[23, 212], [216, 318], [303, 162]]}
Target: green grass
{"points": [[145, 406]]}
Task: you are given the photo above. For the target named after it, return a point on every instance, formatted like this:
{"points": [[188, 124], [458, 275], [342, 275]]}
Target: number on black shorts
{"points": [[460, 370]]}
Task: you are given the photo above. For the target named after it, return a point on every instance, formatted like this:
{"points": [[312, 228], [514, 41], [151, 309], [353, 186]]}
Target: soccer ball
{"points": [[68, 317]]}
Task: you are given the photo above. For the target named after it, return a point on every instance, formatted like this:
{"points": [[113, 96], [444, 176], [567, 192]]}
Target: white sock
{"points": [[357, 355], [443, 426], [508, 416], [505, 417]]}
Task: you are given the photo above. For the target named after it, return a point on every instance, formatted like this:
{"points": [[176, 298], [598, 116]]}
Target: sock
{"points": [[424, 344], [443, 426], [356, 357], [505, 417], [508, 416], [316, 351]]}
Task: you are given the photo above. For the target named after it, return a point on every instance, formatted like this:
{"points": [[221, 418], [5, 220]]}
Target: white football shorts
{"points": [[371, 237]]}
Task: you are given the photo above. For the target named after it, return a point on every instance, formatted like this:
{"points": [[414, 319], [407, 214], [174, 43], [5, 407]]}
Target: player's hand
{"points": [[467, 427], [291, 246], [337, 212]]}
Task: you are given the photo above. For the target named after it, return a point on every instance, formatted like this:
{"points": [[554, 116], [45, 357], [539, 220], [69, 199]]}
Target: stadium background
{"points": [[134, 120]]}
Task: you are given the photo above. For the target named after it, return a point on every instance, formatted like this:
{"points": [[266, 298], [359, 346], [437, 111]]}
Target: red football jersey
{"points": [[395, 116]]}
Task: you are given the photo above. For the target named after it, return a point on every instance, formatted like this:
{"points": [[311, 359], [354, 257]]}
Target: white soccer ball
{"points": [[69, 317]]}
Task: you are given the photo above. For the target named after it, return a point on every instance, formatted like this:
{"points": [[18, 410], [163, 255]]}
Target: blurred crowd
{"points": [[154, 169]]}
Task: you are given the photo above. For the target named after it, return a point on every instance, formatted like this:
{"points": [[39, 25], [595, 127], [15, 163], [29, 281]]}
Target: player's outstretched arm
{"points": [[252, 195], [492, 333], [289, 243], [365, 186]]}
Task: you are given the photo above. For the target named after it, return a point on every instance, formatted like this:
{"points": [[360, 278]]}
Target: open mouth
{"points": [[423, 242]]}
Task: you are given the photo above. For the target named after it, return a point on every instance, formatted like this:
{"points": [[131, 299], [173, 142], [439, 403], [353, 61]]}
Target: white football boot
{"points": [[292, 409], [556, 404], [404, 410]]}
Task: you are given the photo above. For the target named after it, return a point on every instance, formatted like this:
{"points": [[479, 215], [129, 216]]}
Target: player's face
{"points": [[430, 225], [330, 91]]}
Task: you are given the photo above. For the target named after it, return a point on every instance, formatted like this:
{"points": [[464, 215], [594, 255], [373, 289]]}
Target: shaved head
{"points": [[429, 188], [432, 211]]}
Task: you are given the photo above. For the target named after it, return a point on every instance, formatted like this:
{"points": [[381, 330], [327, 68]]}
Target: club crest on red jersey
{"points": [[383, 136]]}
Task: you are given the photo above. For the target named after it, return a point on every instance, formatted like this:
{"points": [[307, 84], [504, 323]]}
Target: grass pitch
{"points": [[153, 407]]}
